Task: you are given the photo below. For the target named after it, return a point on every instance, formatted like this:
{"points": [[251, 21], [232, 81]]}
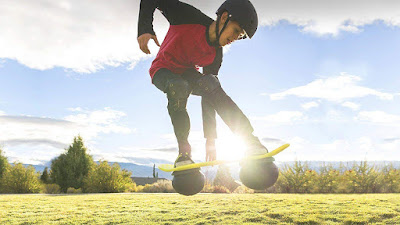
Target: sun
{"points": [[229, 146]]}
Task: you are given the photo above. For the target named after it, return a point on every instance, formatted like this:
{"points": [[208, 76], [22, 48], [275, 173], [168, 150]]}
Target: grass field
{"points": [[200, 209]]}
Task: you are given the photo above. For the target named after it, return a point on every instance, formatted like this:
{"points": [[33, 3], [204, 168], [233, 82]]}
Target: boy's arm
{"points": [[209, 128], [214, 67], [175, 12], [209, 121], [146, 13]]}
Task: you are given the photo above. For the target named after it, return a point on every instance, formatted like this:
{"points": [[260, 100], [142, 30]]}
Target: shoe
{"points": [[256, 149], [254, 146], [183, 159]]}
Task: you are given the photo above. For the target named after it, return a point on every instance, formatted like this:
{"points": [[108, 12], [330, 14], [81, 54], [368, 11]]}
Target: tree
{"points": [[224, 178], [362, 178], [45, 178], [155, 175], [71, 167], [4, 166], [298, 178], [391, 179], [20, 179], [327, 180], [103, 178]]}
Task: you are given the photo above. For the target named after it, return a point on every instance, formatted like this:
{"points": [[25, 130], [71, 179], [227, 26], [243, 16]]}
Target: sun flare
{"points": [[229, 147]]}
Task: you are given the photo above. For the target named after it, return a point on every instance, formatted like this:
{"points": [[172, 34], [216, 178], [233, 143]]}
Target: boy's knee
{"points": [[176, 105], [178, 92], [178, 89], [206, 85]]}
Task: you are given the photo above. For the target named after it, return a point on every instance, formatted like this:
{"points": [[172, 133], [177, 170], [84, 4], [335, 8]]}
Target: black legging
{"points": [[217, 99]]}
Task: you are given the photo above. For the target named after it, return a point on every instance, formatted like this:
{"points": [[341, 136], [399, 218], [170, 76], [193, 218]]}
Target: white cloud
{"points": [[320, 17], [329, 17], [391, 140], [2, 113], [34, 131], [282, 117], [351, 105], [379, 117], [86, 36], [35, 154], [309, 105], [335, 115], [390, 146], [77, 109], [167, 152], [337, 89], [99, 121], [2, 62], [270, 140], [366, 144], [361, 148]]}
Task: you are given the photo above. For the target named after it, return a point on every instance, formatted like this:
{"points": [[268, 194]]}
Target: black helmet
{"points": [[243, 12]]}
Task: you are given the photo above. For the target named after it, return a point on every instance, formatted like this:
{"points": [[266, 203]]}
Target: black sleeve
{"points": [[146, 12], [209, 120], [208, 111], [175, 12], [215, 66]]}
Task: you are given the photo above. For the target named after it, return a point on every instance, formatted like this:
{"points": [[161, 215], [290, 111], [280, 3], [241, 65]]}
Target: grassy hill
{"points": [[200, 209]]}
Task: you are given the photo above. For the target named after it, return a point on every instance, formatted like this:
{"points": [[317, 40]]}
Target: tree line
{"points": [[74, 171], [360, 177]]}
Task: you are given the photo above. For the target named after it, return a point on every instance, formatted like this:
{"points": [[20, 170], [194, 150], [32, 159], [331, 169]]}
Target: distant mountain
{"points": [[143, 171], [38, 168], [147, 161], [147, 171], [137, 170]]}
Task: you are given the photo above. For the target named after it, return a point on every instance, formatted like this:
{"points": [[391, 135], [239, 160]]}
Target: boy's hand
{"points": [[143, 40], [211, 153]]}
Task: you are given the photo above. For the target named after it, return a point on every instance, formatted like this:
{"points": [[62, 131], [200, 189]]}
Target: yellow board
{"points": [[170, 167]]}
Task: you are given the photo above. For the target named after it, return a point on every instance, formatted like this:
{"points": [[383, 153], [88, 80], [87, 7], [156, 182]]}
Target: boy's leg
{"points": [[178, 91], [211, 91]]}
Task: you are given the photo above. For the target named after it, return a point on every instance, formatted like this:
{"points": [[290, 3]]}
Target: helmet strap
{"points": [[217, 33]]}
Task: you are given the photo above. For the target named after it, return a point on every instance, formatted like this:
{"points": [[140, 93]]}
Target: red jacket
{"points": [[187, 43]]}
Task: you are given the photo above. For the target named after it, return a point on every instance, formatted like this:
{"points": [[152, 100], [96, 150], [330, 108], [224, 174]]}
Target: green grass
{"points": [[200, 209]]}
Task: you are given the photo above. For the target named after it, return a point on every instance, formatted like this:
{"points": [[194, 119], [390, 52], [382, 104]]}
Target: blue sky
{"points": [[328, 84]]}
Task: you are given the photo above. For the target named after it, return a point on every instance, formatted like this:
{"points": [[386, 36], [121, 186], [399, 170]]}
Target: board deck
{"points": [[170, 167]]}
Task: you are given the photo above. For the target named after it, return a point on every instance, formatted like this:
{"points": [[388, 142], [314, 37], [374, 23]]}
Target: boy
{"points": [[195, 40]]}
